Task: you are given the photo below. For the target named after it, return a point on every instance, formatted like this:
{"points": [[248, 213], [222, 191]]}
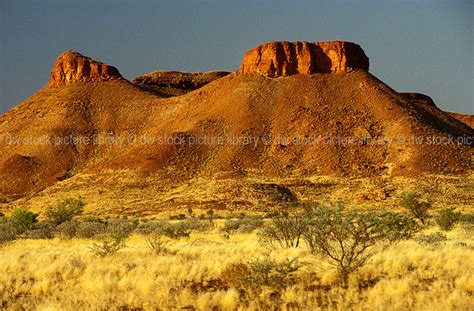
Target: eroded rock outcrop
{"points": [[72, 67], [275, 59]]}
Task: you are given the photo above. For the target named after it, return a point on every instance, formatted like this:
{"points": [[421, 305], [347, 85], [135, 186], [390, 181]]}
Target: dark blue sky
{"points": [[423, 46]]}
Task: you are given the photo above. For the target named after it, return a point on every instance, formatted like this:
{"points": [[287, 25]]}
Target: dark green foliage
{"points": [[447, 218], [398, 226], [418, 207], [64, 211], [22, 220]]}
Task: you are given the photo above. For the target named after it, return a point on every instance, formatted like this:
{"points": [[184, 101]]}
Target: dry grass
{"points": [[65, 275]]}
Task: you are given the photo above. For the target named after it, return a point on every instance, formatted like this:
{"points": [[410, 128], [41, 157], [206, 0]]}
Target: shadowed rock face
{"points": [[72, 67], [173, 83], [419, 98], [275, 59]]}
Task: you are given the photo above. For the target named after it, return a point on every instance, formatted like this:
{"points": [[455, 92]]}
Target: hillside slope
{"points": [[237, 129]]}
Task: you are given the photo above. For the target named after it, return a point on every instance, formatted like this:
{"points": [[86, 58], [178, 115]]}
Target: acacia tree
{"points": [[348, 239]]}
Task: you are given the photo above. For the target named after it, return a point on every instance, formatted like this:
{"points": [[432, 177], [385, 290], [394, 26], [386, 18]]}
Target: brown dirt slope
{"points": [[237, 128]]}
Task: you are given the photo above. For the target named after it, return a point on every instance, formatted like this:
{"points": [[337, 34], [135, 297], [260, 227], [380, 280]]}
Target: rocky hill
{"points": [[305, 121]]}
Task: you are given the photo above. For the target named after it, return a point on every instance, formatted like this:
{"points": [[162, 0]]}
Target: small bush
{"points": [[121, 228], [90, 229], [175, 230], [418, 207], [64, 211], [435, 238], [285, 229], [157, 243], [149, 227], [7, 233], [467, 218], [348, 239], [108, 247], [178, 217], [246, 224], [261, 272], [22, 220], [67, 230], [447, 218], [41, 231], [199, 225]]}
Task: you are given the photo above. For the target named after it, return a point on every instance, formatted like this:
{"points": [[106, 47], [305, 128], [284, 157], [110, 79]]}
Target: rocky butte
{"points": [[72, 67], [276, 59]]}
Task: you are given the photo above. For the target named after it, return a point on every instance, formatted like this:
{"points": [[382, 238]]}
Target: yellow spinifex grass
{"points": [[66, 275]]}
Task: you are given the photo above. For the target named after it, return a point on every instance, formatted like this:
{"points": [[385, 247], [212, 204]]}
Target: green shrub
{"points": [[397, 226], [285, 229], [176, 230], [121, 228], [109, 246], [447, 218], [246, 224], [64, 211], [40, 231], [90, 229], [254, 275], [198, 225], [67, 230], [348, 239], [149, 227], [467, 218], [7, 232], [418, 207], [22, 220]]}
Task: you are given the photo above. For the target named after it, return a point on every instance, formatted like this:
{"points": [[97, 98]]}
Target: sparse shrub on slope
{"points": [[447, 218], [22, 220], [64, 211], [348, 239], [418, 207]]}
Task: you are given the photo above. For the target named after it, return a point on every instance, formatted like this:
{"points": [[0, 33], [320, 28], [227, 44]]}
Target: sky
{"points": [[421, 46]]}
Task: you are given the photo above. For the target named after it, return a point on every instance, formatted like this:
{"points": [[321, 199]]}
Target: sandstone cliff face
{"points": [[275, 59], [72, 67]]}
